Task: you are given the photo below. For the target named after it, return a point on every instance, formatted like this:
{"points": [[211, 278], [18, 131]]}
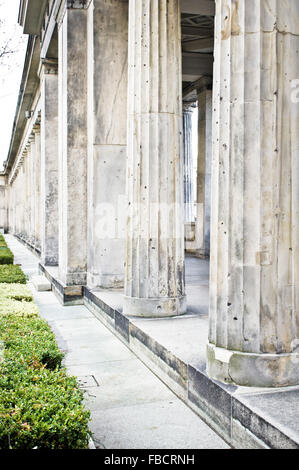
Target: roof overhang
{"points": [[31, 15], [28, 89]]}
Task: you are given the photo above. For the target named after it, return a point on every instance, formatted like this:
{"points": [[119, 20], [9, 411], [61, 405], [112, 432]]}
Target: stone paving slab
{"points": [[162, 425], [130, 407]]}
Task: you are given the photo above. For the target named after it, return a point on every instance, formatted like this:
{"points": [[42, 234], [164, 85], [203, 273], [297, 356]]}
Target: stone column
{"points": [[37, 186], [154, 273], [188, 163], [72, 72], [107, 139], [254, 284], [32, 189], [28, 189], [204, 162], [49, 163], [23, 197]]}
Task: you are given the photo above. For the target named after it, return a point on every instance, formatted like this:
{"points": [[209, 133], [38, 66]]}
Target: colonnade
{"points": [[24, 196], [110, 155]]}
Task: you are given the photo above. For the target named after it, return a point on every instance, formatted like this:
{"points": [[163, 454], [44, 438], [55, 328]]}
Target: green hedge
{"points": [[40, 406], [15, 292], [6, 256], [40, 409], [17, 308], [31, 340], [11, 274]]}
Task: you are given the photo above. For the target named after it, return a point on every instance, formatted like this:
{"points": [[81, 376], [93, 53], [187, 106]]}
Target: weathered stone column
{"points": [[32, 189], [37, 186], [204, 162], [3, 203], [107, 140], [154, 273], [23, 197], [49, 163], [72, 73], [28, 159], [254, 284], [188, 162]]}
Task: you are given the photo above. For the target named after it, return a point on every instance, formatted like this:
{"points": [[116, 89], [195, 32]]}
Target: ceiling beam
{"points": [[198, 7], [198, 45], [31, 15], [197, 31], [197, 64]]}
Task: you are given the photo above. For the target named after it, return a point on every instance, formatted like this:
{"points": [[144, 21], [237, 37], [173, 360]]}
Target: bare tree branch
{"points": [[9, 41]]}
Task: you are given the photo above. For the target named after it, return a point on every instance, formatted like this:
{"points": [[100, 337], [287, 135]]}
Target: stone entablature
{"points": [[33, 128]]}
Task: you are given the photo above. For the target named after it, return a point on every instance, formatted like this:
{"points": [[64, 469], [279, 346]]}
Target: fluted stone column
{"points": [[37, 186], [16, 204], [49, 163], [188, 162], [21, 181], [23, 197], [3, 203], [32, 189], [28, 159], [254, 285], [204, 162], [154, 275], [72, 72], [107, 139]]}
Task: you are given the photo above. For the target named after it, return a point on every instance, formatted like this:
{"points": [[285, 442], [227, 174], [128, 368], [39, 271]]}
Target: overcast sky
{"points": [[10, 72]]}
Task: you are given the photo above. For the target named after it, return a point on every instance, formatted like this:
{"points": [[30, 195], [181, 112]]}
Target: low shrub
{"points": [[11, 273], [6, 256], [30, 340], [16, 292], [17, 308], [40, 406], [40, 409]]}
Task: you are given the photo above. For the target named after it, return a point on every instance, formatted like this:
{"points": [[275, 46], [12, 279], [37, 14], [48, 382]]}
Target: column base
{"points": [[252, 370], [154, 308], [106, 281], [49, 260], [73, 279]]}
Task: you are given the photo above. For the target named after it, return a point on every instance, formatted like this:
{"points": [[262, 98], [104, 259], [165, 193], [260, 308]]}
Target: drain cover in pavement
{"points": [[86, 381]]}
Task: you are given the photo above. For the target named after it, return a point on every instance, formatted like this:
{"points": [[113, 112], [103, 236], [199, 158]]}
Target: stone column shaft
{"points": [[49, 163], [254, 285], [107, 139], [204, 162], [188, 163], [37, 186], [154, 276], [23, 198], [72, 71], [32, 189], [28, 191]]}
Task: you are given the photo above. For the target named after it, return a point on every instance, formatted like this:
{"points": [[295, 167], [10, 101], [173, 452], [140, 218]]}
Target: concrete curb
{"points": [[219, 405]]}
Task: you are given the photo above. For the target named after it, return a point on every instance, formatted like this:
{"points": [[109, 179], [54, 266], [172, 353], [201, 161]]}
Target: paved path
{"points": [[130, 407]]}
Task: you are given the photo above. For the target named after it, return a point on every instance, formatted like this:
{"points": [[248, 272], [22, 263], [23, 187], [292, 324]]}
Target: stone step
{"points": [[41, 283]]}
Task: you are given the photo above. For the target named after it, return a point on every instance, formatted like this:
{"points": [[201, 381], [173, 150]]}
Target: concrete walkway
{"points": [[130, 407]]}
